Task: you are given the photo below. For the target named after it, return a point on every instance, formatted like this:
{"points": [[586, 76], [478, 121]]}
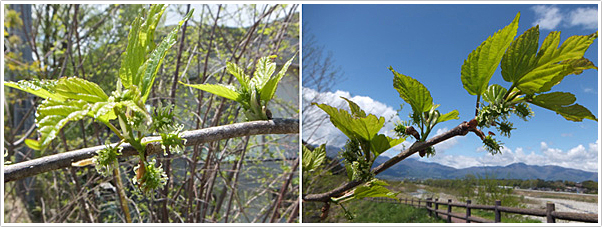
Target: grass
{"points": [[506, 218], [365, 211]]}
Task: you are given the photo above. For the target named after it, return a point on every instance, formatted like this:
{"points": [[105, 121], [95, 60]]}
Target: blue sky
{"points": [[430, 43]]}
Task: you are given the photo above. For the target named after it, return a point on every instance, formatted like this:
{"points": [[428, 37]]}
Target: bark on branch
{"points": [[57, 161], [459, 130]]}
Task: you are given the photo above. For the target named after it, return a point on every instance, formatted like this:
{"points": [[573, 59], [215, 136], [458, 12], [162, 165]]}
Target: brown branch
{"points": [[459, 130], [57, 161]]}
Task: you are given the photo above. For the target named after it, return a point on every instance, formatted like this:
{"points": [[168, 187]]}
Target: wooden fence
{"points": [[433, 207]]}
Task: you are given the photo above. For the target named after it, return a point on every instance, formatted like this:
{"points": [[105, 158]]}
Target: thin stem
{"points": [[121, 192], [476, 111], [115, 130], [509, 91]]}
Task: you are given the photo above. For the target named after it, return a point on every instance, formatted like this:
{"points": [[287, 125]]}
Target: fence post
{"points": [[436, 207], [550, 207], [468, 210], [449, 208], [406, 202], [412, 203], [428, 206], [498, 217], [419, 203]]}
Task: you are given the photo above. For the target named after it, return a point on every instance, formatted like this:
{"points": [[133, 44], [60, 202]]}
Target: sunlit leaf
{"points": [[483, 61], [362, 128], [355, 109], [140, 43], [269, 88], [562, 103], [453, 115], [580, 64], [536, 73], [219, 90], [373, 189], [263, 71], [77, 88], [239, 73], [52, 115], [381, 143], [41, 88], [412, 92], [313, 159], [152, 64], [494, 94]]}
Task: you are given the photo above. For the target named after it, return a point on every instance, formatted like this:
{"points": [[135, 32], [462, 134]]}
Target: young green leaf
{"points": [[313, 159], [362, 128], [41, 88], [560, 102], [483, 61], [373, 189], [149, 70], [494, 94], [356, 111], [77, 88], [381, 143], [219, 90], [240, 75], [269, 88], [52, 115], [520, 57], [263, 71], [412, 92], [551, 64], [580, 64], [453, 115], [140, 43]]}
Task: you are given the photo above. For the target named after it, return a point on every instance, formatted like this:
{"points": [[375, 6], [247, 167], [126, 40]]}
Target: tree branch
{"points": [[459, 130], [57, 161]]}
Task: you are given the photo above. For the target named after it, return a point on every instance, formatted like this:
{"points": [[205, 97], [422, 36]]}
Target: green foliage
{"points": [[531, 73], [312, 160], [253, 93], [362, 148], [562, 103], [364, 144], [375, 212], [374, 188], [71, 99], [424, 113], [483, 61], [141, 60]]}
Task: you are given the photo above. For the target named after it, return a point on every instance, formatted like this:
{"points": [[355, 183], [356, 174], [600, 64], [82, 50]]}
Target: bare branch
{"points": [[53, 162], [459, 130]]}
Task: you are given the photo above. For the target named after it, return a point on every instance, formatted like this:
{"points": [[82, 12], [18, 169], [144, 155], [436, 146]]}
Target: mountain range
{"points": [[412, 168]]}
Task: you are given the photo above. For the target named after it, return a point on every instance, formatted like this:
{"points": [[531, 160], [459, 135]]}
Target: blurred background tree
{"points": [[234, 180]]}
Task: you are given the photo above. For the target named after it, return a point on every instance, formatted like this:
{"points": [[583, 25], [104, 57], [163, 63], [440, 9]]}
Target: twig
{"points": [[459, 130], [52, 162]]}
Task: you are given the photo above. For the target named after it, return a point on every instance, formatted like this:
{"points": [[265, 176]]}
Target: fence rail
{"points": [[433, 208]]}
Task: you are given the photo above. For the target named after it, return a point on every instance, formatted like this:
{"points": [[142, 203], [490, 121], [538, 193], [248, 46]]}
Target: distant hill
{"points": [[413, 168]]}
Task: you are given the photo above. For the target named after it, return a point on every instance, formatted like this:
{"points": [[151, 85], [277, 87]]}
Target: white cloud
{"points": [[589, 90], [586, 17], [579, 157], [324, 131], [548, 17]]}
